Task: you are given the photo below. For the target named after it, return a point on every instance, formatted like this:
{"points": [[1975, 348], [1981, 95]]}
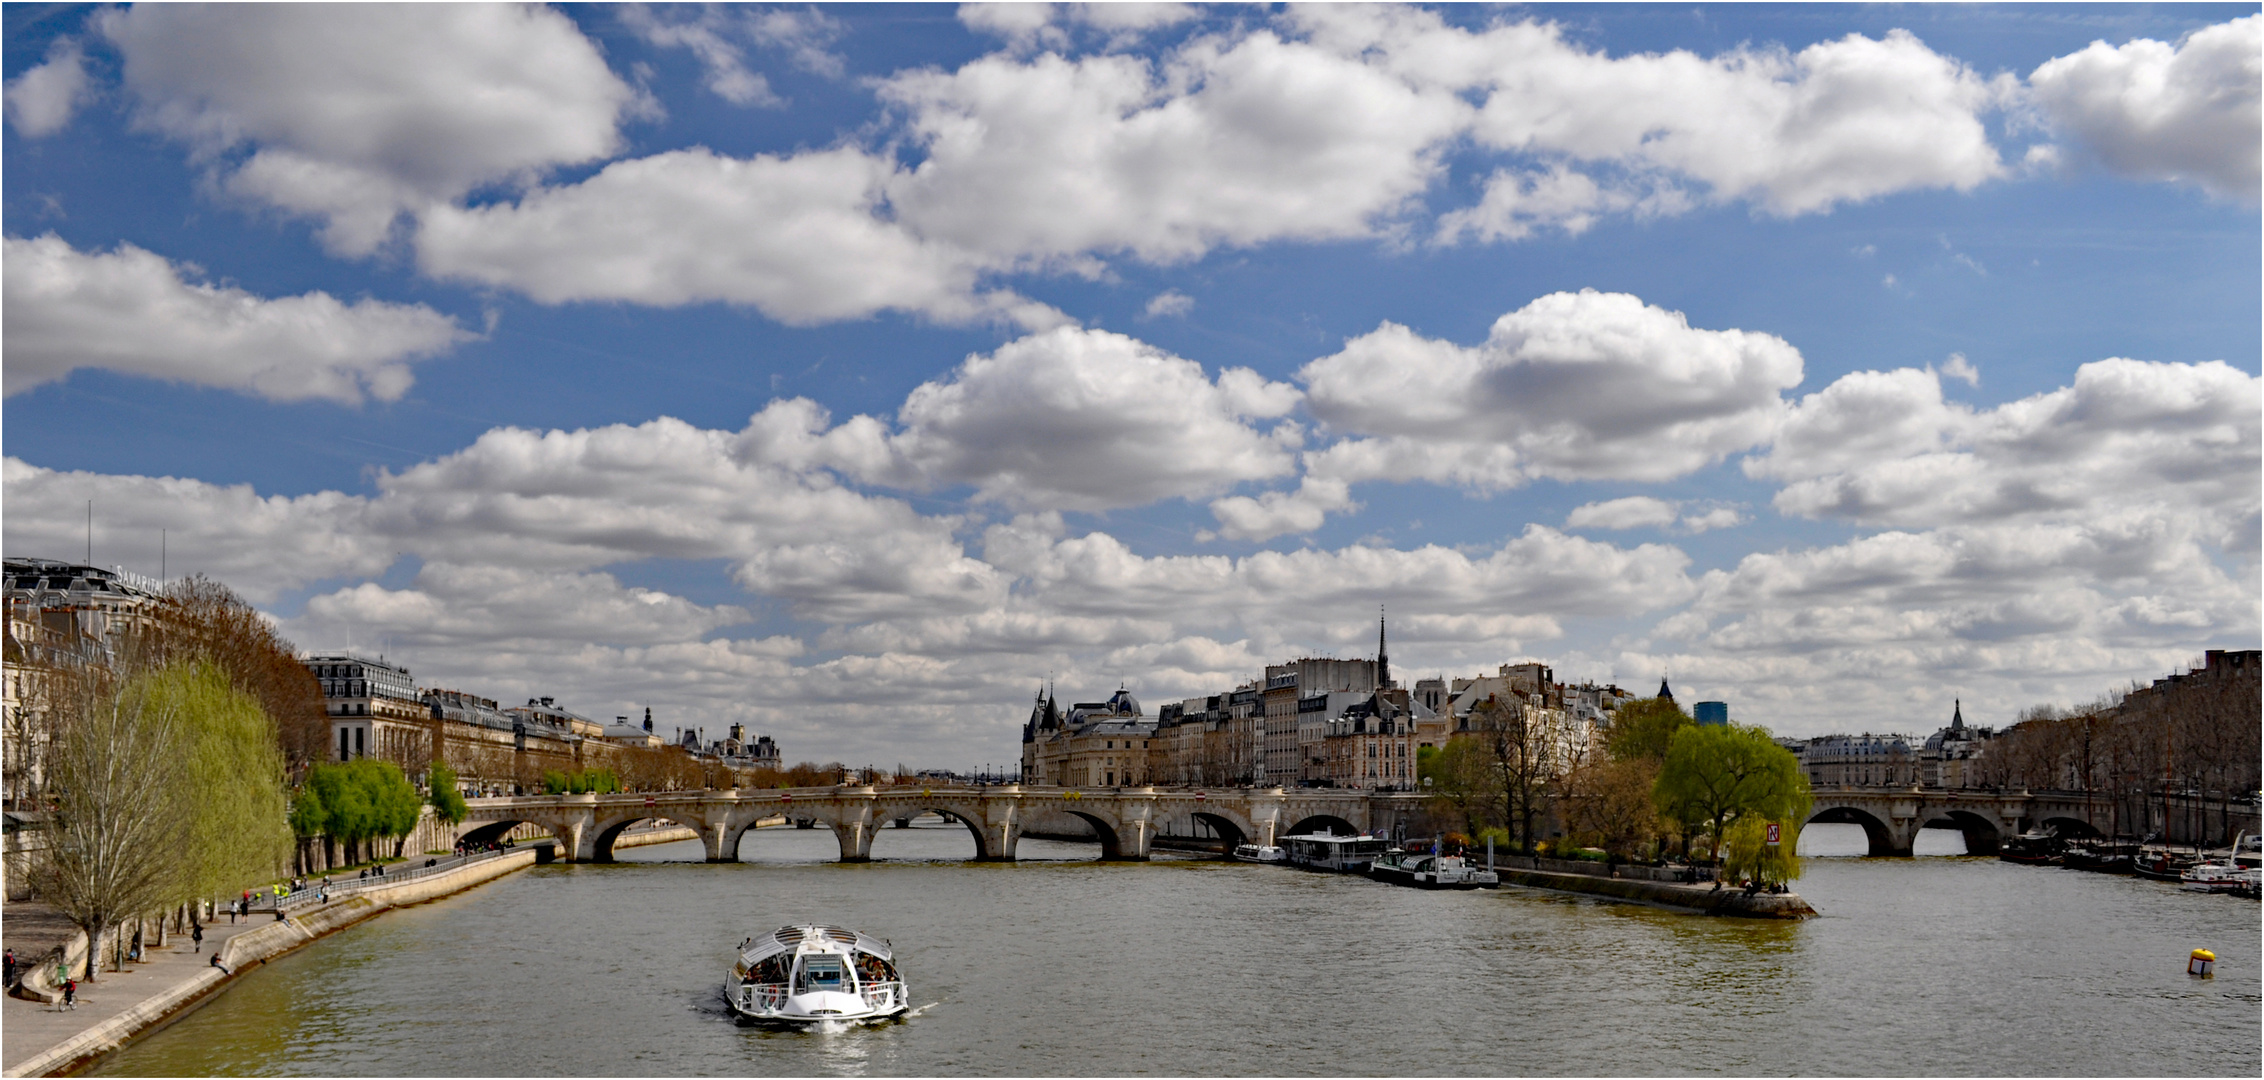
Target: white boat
{"points": [[1339, 854], [1266, 853], [814, 974], [2232, 875]]}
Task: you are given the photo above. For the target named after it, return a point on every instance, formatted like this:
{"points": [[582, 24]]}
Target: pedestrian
{"points": [[196, 937], [9, 982], [70, 993]]}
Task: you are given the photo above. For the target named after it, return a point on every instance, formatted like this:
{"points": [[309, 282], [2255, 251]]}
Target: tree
{"points": [[201, 618], [231, 780], [1643, 728], [1521, 750], [1747, 853], [1609, 804], [114, 841], [1721, 773], [447, 802], [1461, 780]]}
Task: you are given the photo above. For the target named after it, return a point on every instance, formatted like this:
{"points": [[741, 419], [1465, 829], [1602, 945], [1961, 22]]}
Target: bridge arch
{"points": [[608, 831], [495, 832], [1326, 823], [1112, 847], [1229, 831], [971, 818], [2072, 828], [1882, 838], [1982, 836]]}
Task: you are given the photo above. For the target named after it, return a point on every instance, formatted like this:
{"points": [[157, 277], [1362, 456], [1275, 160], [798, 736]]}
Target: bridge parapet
{"points": [[1126, 820]]}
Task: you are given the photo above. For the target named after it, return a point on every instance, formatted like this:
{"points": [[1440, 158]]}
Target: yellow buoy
{"points": [[2202, 963]]}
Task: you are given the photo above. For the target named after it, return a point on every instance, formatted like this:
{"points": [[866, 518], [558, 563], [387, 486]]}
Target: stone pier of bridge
{"points": [[1126, 821]]}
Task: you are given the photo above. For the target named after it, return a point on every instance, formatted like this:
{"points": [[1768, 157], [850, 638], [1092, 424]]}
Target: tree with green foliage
{"points": [[447, 802], [1723, 773], [231, 780], [1747, 853], [363, 800], [1643, 728]]}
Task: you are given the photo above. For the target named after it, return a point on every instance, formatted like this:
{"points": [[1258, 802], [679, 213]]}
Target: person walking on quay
{"points": [[70, 994], [196, 937], [9, 982]]}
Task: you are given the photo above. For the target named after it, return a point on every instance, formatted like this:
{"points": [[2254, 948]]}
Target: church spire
{"points": [[1664, 692], [1957, 715], [1383, 656]]}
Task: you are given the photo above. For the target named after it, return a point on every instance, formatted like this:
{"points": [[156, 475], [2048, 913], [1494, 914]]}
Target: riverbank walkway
{"points": [[31, 1028]]}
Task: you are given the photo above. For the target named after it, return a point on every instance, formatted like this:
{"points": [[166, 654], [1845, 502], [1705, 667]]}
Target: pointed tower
{"points": [[1383, 656], [1664, 692], [1957, 717]]}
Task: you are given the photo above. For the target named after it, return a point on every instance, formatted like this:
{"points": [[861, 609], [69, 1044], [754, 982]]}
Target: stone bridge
{"points": [[1891, 817], [1126, 820]]}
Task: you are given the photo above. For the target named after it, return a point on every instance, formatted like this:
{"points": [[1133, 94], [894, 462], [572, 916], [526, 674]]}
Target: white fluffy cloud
{"points": [[795, 237], [2169, 441], [355, 114], [706, 36], [1793, 133], [131, 311], [261, 546], [1581, 385], [1225, 142], [2155, 111], [1632, 512], [41, 101]]}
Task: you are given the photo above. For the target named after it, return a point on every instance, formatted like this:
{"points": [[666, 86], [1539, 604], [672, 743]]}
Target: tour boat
{"points": [[2227, 876], [2101, 856], [1425, 870], [814, 974], [1338, 854], [1261, 853]]}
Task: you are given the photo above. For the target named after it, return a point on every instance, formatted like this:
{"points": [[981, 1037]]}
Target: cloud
{"points": [[1958, 367], [794, 237], [804, 35], [1170, 303], [1274, 513], [1088, 420], [352, 115], [704, 36], [1633, 512], [2127, 440], [1221, 142], [41, 101], [1030, 26], [1720, 517], [261, 546], [1790, 132], [132, 311], [1518, 203], [2150, 110], [1577, 386]]}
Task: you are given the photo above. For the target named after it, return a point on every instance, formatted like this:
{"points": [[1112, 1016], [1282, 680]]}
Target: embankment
{"points": [[254, 947]]}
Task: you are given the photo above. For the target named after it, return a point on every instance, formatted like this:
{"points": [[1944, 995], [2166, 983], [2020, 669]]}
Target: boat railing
{"points": [[762, 995], [883, 995]]}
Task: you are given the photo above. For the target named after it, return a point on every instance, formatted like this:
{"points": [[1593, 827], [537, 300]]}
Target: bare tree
{"points": [[114, 843]]}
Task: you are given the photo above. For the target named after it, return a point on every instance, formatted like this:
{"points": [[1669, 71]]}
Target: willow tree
{"points": [[447, 803], [203, 619], [1747, 853], [121, 819], [230, 782], [1722, 773]]}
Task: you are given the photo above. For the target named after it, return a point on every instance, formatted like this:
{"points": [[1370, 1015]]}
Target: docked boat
{"points": [[1425, 870], [2234, 875], [2162, 864], [815, 974], [1336, 854], [2101, 856], [1260, 853], [2039, 847]]}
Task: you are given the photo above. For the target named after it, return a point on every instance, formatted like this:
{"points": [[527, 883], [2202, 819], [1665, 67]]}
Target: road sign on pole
{"points": [[1776, 833]]}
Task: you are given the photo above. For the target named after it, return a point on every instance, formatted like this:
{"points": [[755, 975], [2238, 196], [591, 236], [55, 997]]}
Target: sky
{"points": [[850, 372]]}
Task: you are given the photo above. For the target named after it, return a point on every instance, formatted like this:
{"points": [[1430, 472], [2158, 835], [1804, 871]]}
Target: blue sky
{"points": [[846, 371]]}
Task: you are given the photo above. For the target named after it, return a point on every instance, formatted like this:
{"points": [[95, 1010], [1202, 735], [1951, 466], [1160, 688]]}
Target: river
{"points": [[1061, 965]]}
